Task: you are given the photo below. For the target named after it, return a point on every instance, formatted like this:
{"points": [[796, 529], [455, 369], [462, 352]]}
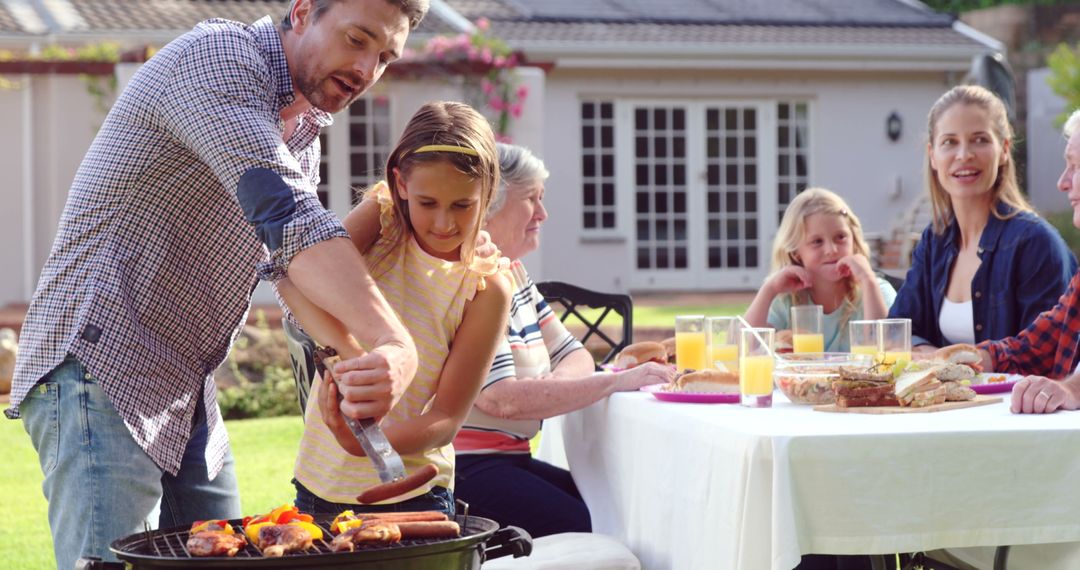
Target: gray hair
{"points": [[1072, 124], [414, 10], [518, 166]]}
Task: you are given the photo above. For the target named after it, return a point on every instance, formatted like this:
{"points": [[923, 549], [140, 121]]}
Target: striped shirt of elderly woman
{"points": [[540, 371]]}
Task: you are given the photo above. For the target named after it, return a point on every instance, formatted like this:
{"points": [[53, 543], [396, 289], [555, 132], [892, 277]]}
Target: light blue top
{"points": [[834, 323]]}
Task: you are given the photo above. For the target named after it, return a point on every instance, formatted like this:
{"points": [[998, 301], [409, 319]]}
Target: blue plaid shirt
{"points": [[151, 274]]}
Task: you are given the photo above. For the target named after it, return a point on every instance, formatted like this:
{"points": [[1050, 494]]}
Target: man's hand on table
{"points": [[644, 375], [1041, 395]]}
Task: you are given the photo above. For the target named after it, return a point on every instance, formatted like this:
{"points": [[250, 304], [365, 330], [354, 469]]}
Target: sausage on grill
{"points": [[385, 491]]}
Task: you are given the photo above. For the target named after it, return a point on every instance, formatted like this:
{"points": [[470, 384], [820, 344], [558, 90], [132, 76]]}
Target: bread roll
{"points": [[707, 382], [959, 354], [640, 353]]}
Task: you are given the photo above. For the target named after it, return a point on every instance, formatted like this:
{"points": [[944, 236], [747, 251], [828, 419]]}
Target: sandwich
{"points": [[864, 387], [920, 388], [965, 354], [956, 378], [707, 382], [640, 353]]}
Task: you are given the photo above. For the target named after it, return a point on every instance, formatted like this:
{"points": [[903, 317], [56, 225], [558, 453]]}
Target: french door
{"points": [[703, 179]]}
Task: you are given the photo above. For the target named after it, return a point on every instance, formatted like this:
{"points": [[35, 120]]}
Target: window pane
{"points": [[608, 198], [587, 137], [609, 219], [680, 258], [607, 136], [660, 199], [590, 194], [590, 219], [643, 258], [660, 119], [588, 165], [587, 110], [607, 163], [606, 111]]}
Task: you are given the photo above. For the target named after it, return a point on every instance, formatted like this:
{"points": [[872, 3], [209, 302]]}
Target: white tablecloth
{"points": [[723, 486]]}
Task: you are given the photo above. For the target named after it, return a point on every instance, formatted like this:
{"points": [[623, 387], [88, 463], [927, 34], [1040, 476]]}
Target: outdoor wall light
{"points": [[894, 126]]}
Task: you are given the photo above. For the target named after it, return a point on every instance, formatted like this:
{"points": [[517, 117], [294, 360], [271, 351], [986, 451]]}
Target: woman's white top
{"points": [[957, 322]]}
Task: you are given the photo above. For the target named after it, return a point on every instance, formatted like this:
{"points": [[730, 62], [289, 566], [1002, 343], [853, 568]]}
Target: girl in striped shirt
{"points": [[417, 232]]}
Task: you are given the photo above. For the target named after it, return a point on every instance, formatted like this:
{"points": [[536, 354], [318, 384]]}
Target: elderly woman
{"points": [[987, 265], [540, 371]]}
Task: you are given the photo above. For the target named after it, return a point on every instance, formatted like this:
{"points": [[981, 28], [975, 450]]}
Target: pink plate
{"points": [[658, 392], [984, 387]]}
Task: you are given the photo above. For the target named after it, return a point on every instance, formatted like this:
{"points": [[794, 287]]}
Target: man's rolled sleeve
{"points": [[310, 224]]}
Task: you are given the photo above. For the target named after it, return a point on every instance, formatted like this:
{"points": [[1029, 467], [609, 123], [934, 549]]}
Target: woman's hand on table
{"points": [[645, 375], [1041, 395]]}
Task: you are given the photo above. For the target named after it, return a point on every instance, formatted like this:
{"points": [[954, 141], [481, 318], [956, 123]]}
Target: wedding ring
{"points": [[1046, 395]]}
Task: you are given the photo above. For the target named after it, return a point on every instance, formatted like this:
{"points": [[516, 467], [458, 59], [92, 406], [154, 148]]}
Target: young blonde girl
{"points": [[820, 258], [417, 232]]}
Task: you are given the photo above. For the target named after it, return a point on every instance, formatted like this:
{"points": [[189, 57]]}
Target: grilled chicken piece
{"points": [[370, 531], [215, 543], [279, 539]]}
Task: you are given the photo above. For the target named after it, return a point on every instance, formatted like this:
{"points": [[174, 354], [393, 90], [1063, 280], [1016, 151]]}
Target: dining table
{"points": [[691, 485]]}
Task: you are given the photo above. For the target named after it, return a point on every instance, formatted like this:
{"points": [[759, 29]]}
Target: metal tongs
{"points": [[371, 437]]}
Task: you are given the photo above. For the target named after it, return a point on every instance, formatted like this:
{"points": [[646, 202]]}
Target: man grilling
{"points": [[151, 273]]}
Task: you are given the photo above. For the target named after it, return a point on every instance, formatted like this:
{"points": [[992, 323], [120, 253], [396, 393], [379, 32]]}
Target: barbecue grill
{"points": [[481, 539]]}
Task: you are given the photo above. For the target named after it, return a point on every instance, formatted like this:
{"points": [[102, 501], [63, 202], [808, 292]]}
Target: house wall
{"points": [[849, 151], [54, 122]]}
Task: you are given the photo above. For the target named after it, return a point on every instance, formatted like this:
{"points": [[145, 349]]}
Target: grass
{"points": [[264, 451]]}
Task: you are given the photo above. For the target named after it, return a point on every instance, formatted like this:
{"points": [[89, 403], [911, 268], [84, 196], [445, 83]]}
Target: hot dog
{"points": [[393, 489], [416, 516], [429, 529]]}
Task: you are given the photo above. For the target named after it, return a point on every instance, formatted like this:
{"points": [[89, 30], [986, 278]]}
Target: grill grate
{"points": [[171, 543]]}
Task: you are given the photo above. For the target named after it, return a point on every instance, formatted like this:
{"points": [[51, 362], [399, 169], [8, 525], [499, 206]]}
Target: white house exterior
{"points": [[674, 143]]}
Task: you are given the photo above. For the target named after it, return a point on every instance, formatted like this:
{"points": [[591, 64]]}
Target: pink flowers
{"points": [[502, 95]]}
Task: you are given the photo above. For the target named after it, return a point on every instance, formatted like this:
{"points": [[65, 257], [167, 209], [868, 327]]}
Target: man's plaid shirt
{"points": [[151, 274], [1048, 346]]}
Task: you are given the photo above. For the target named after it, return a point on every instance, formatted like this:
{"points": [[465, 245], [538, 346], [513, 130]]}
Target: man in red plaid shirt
{"points": [[1046, 351]]}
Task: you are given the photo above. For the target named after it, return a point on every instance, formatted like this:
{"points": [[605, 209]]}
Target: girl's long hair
{"points": [[1006, 189], [792, 231], [442, 123]]}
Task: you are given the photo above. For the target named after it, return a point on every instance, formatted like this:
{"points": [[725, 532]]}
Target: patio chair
{"points": [[571, 297], [302, 355]]}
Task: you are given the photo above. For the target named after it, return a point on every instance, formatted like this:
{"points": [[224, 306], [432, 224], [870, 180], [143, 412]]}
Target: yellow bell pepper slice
{"points": [[252, 531], [316, 532]]}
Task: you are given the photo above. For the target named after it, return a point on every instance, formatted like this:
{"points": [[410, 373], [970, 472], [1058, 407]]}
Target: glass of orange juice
{"points": [[723, 338], [756, 367], [807, 333], [894, 340], [864, 338], [690, 342]]}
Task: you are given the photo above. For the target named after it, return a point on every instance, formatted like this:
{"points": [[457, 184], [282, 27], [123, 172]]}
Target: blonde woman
{"points": [[987, 265], [821, 258]]}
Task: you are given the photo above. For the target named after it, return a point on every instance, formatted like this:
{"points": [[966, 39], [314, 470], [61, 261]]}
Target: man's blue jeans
{"points": [[99, 483]]}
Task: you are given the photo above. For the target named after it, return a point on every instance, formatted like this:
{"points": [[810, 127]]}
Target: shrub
{"points": [[1062, 221], [256, 380]]}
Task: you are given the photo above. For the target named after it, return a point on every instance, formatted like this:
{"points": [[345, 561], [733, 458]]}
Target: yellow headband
{"points": [[446, 148]]}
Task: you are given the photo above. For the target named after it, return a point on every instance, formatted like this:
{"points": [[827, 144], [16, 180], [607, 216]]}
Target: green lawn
{"points": [[661, 316], [264, 450]]}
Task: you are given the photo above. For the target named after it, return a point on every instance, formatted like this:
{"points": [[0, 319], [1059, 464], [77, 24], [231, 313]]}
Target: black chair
{"points": [[302, 354], [896, 282], [571, 297]]}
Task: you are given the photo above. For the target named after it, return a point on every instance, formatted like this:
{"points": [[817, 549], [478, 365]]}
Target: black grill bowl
{"points": [[480, 540]]}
